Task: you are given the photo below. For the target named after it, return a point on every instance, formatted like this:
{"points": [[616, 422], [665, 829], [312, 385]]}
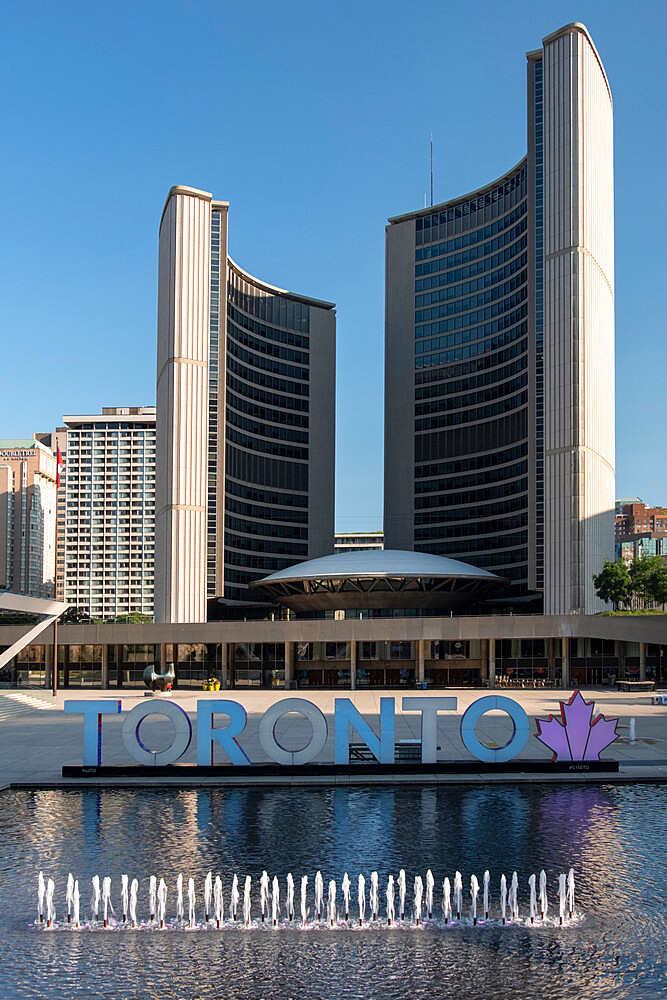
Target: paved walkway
{"points": [[37, 737]]}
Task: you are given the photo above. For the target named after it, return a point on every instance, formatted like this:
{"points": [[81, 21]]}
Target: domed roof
{"points": [[379, 562], [378, 578]]}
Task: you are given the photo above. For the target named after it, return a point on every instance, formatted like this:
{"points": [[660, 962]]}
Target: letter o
{"points": [[267, 731], [516, 742], [153, 758]]}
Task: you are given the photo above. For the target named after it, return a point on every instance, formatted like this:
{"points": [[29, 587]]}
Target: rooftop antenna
{"points": [[431, 170]]}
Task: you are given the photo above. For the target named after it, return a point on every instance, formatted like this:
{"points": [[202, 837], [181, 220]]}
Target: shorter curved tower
{"points": [[245, 419]]}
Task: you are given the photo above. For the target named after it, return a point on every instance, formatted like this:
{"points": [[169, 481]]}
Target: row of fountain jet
{"points": [[396, 892]]}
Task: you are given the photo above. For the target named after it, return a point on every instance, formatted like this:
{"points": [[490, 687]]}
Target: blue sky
{"points": [[312, 119]]}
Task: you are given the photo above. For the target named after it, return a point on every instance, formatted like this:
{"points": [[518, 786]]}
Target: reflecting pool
{"points": [[612, 835]]}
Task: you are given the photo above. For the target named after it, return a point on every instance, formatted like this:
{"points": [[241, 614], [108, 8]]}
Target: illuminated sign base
{"points": [[239, 775]]}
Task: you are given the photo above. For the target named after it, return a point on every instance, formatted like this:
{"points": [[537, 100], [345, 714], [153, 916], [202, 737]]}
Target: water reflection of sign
{"points": [[577, 736]]}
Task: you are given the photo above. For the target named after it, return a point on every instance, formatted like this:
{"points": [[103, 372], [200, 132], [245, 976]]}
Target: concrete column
{"points": [[65, 650], [105, 667], [117, 655], [620, 645], [642, 661], [353, 665], [224, 665], [231, 664], [420, 661], [550, 659], [289, 665], [565, 663], [48, 666], [163, 657], [484, 671], [492, 663]]}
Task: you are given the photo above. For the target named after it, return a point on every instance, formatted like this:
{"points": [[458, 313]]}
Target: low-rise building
{"points": [[640, 530], [109, 512], [358, 541]]}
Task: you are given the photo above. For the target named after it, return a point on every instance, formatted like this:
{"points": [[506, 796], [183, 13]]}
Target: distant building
{"points": [[27, 517], [640, 530], [109, 515], [358, 541]]}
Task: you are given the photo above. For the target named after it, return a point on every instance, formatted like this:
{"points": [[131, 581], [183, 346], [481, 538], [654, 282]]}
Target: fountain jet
{"points": [[447, 900]]}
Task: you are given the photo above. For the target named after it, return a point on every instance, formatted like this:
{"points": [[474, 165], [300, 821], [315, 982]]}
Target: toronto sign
{"points": [[574, 736]]}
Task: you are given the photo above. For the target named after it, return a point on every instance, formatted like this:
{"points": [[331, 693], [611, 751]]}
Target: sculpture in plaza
{"points": [[159, 682]]}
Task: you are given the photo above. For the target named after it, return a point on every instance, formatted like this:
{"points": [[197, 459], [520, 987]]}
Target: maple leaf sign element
{"points": [[576, 735]]}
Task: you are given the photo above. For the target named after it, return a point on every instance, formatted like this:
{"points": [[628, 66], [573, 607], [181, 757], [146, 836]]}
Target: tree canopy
{"points": [[644, 583]]}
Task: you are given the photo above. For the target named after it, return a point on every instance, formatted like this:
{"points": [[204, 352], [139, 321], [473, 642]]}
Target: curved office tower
{"points": [[245, 419], [499, 413]]}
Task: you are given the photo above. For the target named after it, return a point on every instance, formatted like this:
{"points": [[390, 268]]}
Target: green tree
{"points": [[612, 583], [74, 616], [648, 577]]}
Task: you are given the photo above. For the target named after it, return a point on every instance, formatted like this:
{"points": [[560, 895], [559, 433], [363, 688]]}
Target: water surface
{"points": [[613, 836]]}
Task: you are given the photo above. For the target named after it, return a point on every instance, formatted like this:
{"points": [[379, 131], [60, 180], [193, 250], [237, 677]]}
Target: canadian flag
{"points": [[59, 467]]}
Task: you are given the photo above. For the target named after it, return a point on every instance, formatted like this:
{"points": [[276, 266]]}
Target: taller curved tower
{"points": [[245, 419], [499, 378]]}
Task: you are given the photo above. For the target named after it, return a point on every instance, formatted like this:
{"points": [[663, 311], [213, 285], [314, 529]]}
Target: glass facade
{"points": [[267, 434], [213, 387], [471, 381], [538, 230]]}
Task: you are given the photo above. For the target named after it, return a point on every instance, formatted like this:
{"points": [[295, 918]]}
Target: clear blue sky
{"points": [[312, 120]]}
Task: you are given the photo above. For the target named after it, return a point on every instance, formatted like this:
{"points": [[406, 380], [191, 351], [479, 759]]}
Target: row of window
{"points": [[258, 512], [453, 308], [477, 514], [435, 393], [265, 364], [468, 239], [268, 332], [513, 186], [275, 309], [489, 294], [262, 396], [244, 578], [241, 544], [482, 548], [466, 482], [483, 268], [266, 430], [266, 346], [243, 405], [472, 495], [471, 351], [447, 325], [267, 447], [267, 381], [480, 251], [262, 495], [469, 416], [266, 472], [447, 403], [471, 439], [270, 530], [433, 383]]}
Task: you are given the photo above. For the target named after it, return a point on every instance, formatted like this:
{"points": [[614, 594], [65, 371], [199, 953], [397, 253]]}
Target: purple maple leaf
{"points": [[578, 736]]}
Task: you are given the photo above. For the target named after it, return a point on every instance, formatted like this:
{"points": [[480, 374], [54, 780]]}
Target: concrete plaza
{"points": [[37, 737]]}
